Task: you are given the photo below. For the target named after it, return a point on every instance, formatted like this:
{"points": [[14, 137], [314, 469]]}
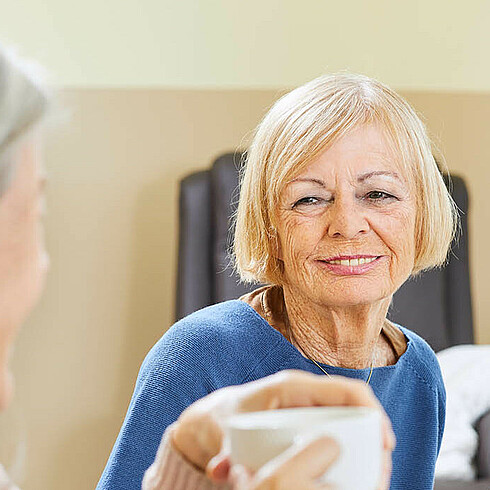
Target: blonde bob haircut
{"points": [[300, 126]]}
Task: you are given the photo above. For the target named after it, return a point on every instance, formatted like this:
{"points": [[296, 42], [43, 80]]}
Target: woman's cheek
{"points": [[292, 241], [39, 265]]}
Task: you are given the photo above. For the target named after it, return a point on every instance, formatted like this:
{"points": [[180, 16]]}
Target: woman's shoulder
{"points": [[209, 338], [227, 318], [418, 342], [421, 358]]}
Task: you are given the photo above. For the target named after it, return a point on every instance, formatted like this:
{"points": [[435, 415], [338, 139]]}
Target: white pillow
{"points": [[466, 373]]}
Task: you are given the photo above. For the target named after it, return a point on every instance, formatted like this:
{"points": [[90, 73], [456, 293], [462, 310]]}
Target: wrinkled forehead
{"points": [[389, 158]]}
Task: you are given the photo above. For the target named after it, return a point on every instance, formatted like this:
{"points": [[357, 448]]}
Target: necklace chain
{"points": [[293, 338]]}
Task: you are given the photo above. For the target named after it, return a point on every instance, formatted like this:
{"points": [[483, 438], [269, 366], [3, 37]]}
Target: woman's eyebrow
{"points": [[308, 179], [360, 178], [378, 173]]}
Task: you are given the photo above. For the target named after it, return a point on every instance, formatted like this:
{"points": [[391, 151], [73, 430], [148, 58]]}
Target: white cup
{"points": [[257, 437]]}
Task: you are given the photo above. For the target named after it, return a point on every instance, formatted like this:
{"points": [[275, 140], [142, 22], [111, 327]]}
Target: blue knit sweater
{"points": [[229, 344]]}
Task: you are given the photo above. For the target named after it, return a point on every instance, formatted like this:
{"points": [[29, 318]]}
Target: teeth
{"points": [[352, 262]]}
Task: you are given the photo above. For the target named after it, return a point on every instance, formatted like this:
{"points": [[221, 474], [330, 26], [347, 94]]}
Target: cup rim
{"points": [[287, 417]]}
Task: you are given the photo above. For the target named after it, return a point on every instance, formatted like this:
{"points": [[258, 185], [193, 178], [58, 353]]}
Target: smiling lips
{"points": [[352, 261], [351, 264]]}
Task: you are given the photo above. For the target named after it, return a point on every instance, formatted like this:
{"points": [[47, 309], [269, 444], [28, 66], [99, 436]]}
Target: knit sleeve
{"points": [[172, 471]]}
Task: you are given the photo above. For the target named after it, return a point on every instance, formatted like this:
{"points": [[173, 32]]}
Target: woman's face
{"points": [[23, 259], [346, 224]]}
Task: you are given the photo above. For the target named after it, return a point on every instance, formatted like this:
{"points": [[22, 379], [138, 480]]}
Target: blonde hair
{"points": [[300, 126]]}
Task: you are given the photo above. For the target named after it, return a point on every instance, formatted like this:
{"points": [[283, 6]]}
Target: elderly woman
{"points": [[23, 260], [341, 202]]}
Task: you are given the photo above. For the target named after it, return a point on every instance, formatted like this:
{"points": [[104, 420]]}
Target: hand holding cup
{"points": [[199, 432]]}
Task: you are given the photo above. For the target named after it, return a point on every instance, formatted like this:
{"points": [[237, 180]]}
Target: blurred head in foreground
{"points": [[23, 258]]}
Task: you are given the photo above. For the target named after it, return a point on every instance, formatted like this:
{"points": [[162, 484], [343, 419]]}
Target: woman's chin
{"points": [[351, 297]]}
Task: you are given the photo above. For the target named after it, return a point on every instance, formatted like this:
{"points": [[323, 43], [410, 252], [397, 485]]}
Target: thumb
{"points": [[310, 457]]}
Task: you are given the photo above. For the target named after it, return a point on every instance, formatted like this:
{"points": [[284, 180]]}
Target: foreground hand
{"points": [[299, 468], [198, 432]]}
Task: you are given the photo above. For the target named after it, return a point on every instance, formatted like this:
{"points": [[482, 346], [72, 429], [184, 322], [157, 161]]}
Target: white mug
{"points": [[257, 437]]}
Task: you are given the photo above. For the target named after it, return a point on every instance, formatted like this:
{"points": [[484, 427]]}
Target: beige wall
{"points": [[436, 44], [459, 123], [112, 231]]}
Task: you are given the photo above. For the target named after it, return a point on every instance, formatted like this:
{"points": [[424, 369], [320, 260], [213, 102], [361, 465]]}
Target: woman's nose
{"points": [[346, 219]]}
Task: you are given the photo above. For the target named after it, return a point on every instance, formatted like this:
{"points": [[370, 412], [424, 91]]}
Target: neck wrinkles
{"points": [[343, 337]]}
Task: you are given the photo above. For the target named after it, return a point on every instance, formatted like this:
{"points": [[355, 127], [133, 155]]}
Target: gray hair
{"points": [[23, 103]]}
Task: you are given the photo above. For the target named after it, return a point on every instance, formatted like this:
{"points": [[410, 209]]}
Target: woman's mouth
{"points": [[351, 265]]}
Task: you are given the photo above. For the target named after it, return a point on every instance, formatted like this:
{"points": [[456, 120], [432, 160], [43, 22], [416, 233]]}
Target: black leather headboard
{"points": [[436, 304]]}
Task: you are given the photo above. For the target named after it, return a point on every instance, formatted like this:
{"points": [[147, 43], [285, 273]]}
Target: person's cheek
{"points": [[43, 253], [43, 262]]}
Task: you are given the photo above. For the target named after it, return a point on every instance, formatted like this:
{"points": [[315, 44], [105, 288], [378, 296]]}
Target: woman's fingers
{"points": [[300, 389], [310, 459], [291, 388], [389, 439], [296, 468], [299, 468]]}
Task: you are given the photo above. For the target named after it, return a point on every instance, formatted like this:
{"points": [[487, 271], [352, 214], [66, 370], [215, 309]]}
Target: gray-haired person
{"points": [[23, 259]]}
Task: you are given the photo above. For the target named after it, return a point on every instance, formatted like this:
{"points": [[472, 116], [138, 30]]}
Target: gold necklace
{"points": [[292, 337]]}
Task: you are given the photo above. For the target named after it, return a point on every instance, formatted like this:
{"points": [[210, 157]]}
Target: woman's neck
{"points": [[338, 336]]}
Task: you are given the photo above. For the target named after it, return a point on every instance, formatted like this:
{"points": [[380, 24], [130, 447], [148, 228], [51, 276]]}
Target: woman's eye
{"points": [[379, 196], [306, 201]]}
